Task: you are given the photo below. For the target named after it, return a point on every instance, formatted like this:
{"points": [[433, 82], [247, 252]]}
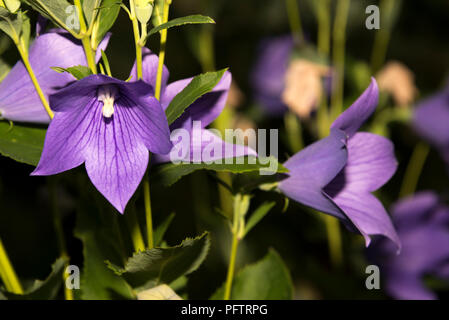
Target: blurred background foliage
{"points": [[419, 39]]}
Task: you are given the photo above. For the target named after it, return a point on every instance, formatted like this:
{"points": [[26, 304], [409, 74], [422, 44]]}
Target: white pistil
{"points": [[107, 95]]}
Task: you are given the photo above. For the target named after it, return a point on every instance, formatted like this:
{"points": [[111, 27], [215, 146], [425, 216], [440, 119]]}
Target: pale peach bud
{"points": [[399, 81], [235, 96], [303, 86]]}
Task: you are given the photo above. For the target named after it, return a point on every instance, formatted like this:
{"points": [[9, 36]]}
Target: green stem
{"points": [[223, 122], [85, 38], [137, 37], [339, 34], [147, 200], [162, 50], [40, 93], [324, 40], [294, 132], [324, 26], [334, 240], [90, 57], [231, 268], [7, 272], [134, 229], [414, 169], [294, 19]]}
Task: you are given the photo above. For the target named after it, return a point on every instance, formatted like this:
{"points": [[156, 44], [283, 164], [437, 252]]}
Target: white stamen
{"points": [[107, 95]]}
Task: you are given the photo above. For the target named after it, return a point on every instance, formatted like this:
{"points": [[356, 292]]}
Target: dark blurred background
{"points": [[419, 39]]}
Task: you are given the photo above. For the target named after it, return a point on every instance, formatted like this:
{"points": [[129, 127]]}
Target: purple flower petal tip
{"points": [[353, 118]]}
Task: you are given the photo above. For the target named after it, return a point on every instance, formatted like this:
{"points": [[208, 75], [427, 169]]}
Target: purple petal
{"points": [[367, 214], [414, 210], [312, 169], [353, 118], [115, 150], [68, 135], [431, 120], [150, 63], [18, 98], [371, 163], [116, 159], [268, 75], [404, 286]]}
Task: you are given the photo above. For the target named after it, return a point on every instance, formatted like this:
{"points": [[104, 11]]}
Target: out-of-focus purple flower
{"points": [[431, 119], [109, 125], [338, 174], [422, 223], [268, 76], [18, 98], [203, 112]]}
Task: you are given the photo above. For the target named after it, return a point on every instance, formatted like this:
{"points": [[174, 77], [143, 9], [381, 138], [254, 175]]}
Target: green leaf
{"points": [[101, 242], [21, 142], [107, 14], [4, 69], [79, 72], [58, 12], [11, 24], [268, 279], [90, 8], [199, 86], [161, 229], [43, 290], [258, 215], [194, 19], [157, 266], [169, 173]]}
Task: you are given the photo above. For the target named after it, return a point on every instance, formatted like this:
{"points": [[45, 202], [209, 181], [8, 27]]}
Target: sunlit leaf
{"points": [[22, 143], [157, 266], [169, 173], [199, 86], [79, 72], [194, 19]]}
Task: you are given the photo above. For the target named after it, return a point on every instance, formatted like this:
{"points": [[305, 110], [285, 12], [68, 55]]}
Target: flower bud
{"points": [[399, 81], [303, 86], [11, 5], [144, 10]]}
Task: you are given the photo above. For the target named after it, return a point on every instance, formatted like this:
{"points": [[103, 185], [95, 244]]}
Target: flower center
{"points": [[107, 94]]}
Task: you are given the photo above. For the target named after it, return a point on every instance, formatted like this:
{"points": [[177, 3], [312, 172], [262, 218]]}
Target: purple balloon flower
{"points": [[269, 72], [109, 125], [197, 116], [338, 174], [431, 120], [423, 226], [18, 98]]}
